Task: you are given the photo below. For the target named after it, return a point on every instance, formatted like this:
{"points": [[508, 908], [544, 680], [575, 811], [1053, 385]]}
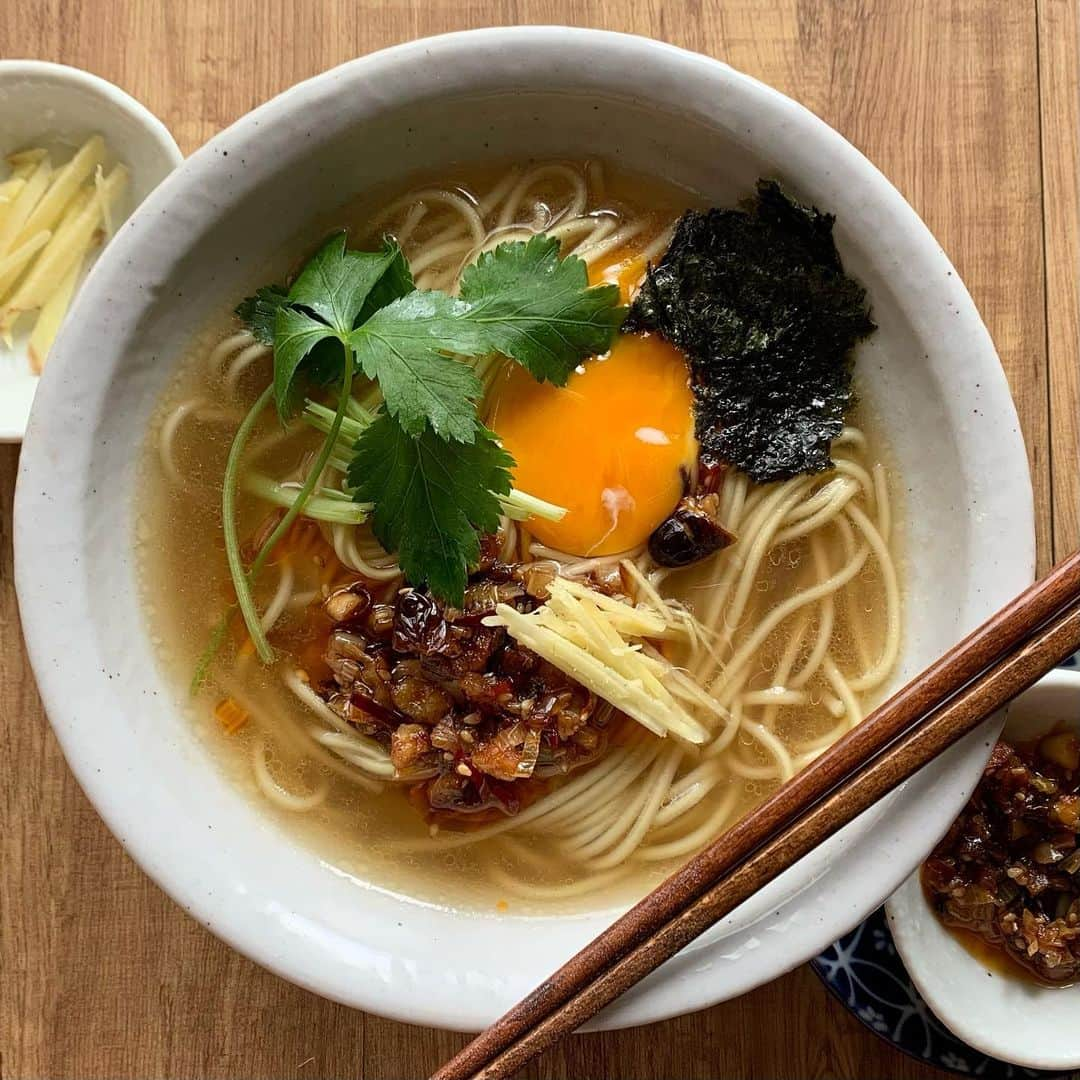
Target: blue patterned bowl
{"points": [[866, 972]]}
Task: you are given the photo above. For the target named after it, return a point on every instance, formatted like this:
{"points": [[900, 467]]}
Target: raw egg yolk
{"points": [[612, 446], [628, 274]]}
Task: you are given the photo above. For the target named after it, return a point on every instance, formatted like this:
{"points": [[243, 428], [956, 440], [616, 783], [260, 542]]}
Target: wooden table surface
{"points": [[969, 107]]}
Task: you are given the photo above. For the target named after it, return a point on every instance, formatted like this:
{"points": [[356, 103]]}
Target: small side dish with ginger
{"points": [[1009, 868], [52, 217]]}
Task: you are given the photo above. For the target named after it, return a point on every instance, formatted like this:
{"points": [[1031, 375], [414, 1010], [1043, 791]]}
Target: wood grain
{"points": [[100, 974], [1059, 89]]}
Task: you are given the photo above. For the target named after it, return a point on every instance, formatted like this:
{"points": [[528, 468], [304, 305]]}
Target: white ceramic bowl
{"points": [[1008, 1018], [199, 243], [59, 107]]}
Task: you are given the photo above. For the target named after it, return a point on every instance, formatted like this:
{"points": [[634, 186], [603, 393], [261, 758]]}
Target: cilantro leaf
{"points": [[520, 300], [430, 468], [539, 309], [395, 283], [335, 282], [406, 347], [430, 499], [334, 288], [296, 333], [257, 312]]}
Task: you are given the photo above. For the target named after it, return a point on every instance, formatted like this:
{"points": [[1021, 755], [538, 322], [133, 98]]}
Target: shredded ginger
{"points": [[601, 642]]}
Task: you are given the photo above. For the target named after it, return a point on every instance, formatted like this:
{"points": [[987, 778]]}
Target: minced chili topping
{"points": [[1009, 868]]}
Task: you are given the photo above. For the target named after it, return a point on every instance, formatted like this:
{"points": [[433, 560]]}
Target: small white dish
{"points": [[1009, 1018], [58, 107]]}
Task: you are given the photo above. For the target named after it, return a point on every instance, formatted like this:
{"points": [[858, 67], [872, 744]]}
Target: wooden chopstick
{"points": [[999, 659]]}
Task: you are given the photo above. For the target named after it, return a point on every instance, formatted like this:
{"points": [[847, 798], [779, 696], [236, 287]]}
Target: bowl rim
{"points": [[959, 1013], [12, 426], [100, 86], [679, 988]]}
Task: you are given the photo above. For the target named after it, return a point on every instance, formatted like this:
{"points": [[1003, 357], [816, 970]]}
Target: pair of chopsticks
{"points": [[1002, 658]]}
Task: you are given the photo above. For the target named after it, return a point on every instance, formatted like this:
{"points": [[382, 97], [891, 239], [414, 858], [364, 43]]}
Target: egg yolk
{"points": [[612, 446]]}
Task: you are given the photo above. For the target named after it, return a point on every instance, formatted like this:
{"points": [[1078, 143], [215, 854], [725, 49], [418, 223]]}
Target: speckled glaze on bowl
{"points": [[198, 243], [1008, 1018]]}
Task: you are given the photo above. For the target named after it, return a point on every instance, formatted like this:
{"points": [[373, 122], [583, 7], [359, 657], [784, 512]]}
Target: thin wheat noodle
{"points": [[443, 253], [793, 603], [412, 219], [852, 713], [378, 766], [658, 246], [634, 819], [215, 359], [826, 621], [884, 664], [599, 246], [345, 547], [276, 608], [594, 180], [845, 466], [837, 499], [578, 199], [240, 363], [741, 566], [536, 891], [279, 795], [690, 842], [467, 212], [581, 232], [772, 745], [782, 676], [486, 203], [775, 696], [688, 791], [198, 407]]}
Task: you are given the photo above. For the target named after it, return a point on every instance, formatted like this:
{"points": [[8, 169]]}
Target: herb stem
{"points": [[314, 474], [519, 505], [213, 645], [241, 580], [325, 504]]}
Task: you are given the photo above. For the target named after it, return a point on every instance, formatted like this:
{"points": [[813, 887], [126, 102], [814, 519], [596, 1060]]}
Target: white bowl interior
{"points": [[59, 107], [1009, 1018], [930, 373]]}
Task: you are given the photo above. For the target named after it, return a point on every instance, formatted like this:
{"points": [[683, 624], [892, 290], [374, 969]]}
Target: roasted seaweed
{"points": [[759, 302]]}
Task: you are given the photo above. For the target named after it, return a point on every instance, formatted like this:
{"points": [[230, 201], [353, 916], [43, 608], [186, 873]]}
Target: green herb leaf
{"points": [[431, 470], [395, 283], [430, 499], [296, 333], [335, 288], [258, 312], [335, 282], [520, 300], [539, 309], [406, 346]]}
